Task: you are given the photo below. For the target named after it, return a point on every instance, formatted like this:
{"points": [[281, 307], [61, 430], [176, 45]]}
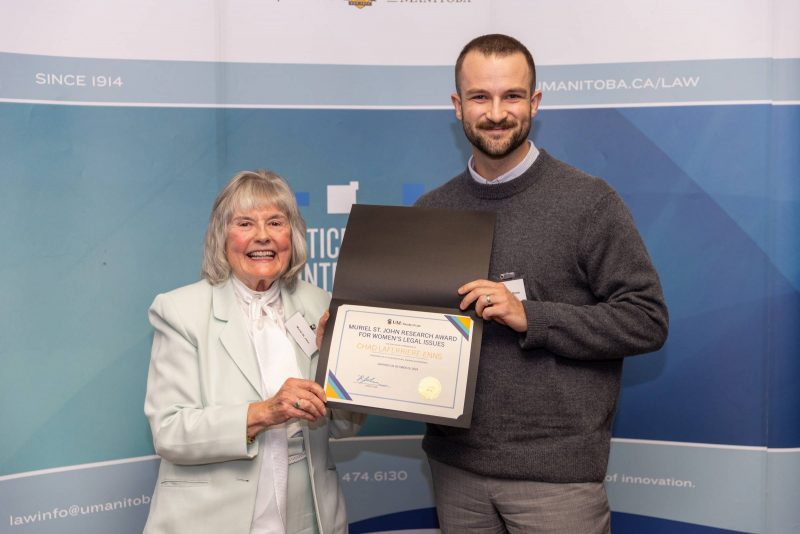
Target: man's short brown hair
{"points": [[496, 44]]}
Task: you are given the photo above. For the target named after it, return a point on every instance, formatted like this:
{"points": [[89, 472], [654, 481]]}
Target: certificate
{"points": [[400, 361], [397, 343]]}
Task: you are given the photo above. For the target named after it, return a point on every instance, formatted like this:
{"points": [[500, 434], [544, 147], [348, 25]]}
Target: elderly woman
{"points": [[241, 429]]}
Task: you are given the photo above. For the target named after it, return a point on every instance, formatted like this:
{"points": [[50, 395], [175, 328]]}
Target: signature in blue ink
{"points": [[369, 381]]}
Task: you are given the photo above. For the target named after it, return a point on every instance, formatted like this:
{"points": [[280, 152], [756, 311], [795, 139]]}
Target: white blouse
{"points": [[276, 360]]}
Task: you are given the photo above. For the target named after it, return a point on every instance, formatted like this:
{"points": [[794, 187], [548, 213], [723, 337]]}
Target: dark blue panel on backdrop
{"points": [[654, 525], [703, 189]]}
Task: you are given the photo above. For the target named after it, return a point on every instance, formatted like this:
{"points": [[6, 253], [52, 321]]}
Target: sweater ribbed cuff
{"points": [[538, 322]]}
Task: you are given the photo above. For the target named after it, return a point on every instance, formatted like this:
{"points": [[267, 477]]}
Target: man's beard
{"points": [[503, 147]]}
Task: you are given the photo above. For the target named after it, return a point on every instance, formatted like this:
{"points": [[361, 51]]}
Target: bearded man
{"points": [[571, 292]]}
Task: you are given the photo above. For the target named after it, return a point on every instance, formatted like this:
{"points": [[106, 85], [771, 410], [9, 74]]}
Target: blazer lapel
{"points": [[291, 305], [234, 335]]}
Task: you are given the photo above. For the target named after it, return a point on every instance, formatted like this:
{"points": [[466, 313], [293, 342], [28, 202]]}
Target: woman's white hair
{"points": [[246, 191]]}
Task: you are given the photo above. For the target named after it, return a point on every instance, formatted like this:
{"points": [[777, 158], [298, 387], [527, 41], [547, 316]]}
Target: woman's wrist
{"points": [[254, 421]]}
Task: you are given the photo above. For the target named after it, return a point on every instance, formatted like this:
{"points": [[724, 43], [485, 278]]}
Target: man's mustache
{"points": [[488, 125]]}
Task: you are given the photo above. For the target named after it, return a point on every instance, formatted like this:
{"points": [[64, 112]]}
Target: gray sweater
{"points": [[545, 400]]}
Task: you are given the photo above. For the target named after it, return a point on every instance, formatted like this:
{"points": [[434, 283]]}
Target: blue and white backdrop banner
{"points": [[119, 123]]}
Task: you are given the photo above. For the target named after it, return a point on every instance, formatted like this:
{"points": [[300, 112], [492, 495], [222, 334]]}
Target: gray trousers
{"points": [[466, 502]]}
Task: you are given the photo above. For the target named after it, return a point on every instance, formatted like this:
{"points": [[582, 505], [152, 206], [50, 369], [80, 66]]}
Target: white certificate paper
{"points": [[407, 362]]}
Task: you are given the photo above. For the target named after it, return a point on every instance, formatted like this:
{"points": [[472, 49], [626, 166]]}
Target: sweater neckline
{"points": [[507, 189]]}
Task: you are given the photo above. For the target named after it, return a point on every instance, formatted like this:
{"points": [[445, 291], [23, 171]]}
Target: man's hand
{"points": [[494, 302]]}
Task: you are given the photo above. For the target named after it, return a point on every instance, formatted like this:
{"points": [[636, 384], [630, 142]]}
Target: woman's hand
{"points": [[297, 399]]}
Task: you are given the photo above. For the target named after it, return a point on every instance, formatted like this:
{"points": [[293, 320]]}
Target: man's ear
{"points": [[536, 99], [456, 100]]}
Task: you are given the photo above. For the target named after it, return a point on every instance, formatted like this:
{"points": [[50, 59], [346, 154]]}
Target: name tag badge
{"points": [[306, 339], [517, 287]]}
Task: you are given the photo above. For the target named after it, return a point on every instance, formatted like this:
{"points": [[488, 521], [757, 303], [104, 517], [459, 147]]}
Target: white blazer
{"points": [[203, 375]]}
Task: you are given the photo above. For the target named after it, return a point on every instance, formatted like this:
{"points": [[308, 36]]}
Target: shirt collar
{"points": [[247, 297], [521, 167]]}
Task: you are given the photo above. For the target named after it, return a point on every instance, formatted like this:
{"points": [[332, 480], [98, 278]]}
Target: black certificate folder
{"points": [[396, 343]]}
